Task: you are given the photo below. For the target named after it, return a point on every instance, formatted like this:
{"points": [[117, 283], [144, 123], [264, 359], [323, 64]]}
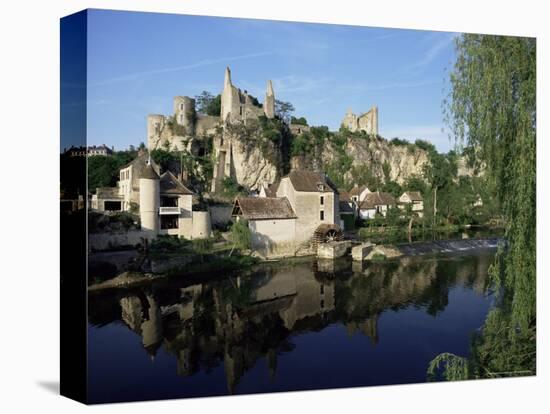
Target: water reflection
{"points": [[239, 320]]}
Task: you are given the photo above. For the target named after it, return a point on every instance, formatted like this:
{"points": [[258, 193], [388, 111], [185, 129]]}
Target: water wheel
{"points": [[327, 233]]}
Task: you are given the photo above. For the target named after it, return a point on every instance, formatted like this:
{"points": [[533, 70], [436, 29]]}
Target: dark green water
{"points": [[307, 325]]}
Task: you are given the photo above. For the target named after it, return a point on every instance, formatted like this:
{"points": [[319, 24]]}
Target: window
{"points": [[321, 187], [240, 110], [169, 201], [322, 304], [322, 200], [181, 106], [112, 206], [322, 289], [322, 215], [169, 222]]}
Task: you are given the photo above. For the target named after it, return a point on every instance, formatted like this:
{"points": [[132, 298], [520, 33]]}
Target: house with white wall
{"points": [[272, 224], [375, 203], [414, 199]]}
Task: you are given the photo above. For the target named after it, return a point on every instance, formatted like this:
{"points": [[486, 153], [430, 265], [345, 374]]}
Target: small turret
{"points": [[184, 112], [149, 198]]}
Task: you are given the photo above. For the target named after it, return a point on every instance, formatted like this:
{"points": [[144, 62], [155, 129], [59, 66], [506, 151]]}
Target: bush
{"points": [[399, 142]]}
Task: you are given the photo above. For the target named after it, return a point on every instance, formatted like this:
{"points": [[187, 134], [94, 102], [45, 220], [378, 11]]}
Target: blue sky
{"points": [[137, 62]]}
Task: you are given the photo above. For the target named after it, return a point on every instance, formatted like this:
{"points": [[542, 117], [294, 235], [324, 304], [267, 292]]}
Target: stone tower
{"points": [[184, 112], [149, 199], [230, 102], [269, 104]]}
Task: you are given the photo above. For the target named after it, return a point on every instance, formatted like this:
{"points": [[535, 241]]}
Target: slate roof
{"points": [[377, 199], [308, 181], [356, 190], [344, 195], [169, 184], [149, 173], [345, 207], [414, 195], [263, 208]]}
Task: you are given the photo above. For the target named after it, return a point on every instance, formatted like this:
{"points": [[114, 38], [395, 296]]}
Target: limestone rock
{"points": [[359, 253], [333, 250], [389, 252]]}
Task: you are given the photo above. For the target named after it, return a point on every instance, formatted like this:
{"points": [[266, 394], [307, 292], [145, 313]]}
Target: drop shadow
{"points": [[51, 386]]}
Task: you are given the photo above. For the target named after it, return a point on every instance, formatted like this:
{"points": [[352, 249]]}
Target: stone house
{"points": [[358, 193], [176, 207], [272, 224], [414, 198], [314, 199], [377, 202], [129, 175], [311, 205], [166, 207]]}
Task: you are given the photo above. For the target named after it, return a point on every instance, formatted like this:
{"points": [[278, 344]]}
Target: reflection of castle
{"points": [[238, 321]]}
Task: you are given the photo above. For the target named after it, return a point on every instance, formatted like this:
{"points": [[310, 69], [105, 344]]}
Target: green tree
{"points": [[283, 110], [298, 121], [492, 109], [241, 236]]}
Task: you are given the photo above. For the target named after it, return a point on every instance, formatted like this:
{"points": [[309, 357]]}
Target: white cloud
{"points": [[199, 64]]}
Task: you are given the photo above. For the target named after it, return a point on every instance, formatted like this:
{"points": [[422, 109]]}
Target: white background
{"points": [[29, 142]]}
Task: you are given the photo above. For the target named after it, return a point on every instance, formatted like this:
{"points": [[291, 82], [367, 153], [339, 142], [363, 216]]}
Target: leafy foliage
{"points": [[283, 110], [492, 109], [209, 104], [298, 121], [240, 235], [104, 171]]}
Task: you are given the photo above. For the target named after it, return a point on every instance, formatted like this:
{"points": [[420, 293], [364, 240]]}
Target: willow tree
{"points": [[492, 111]]}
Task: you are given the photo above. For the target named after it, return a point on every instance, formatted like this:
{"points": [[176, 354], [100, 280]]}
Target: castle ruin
{"points": [[174, 132], [367, 121]]}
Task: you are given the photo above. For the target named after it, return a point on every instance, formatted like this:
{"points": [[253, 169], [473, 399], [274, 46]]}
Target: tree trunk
{"points": [[410, 229], [435, 204]]}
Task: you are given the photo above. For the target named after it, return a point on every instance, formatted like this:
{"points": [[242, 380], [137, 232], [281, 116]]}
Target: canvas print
{"points": [[269, 206]]}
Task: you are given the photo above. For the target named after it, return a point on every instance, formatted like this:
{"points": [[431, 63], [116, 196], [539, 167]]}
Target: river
{"points": [[305, 324]]}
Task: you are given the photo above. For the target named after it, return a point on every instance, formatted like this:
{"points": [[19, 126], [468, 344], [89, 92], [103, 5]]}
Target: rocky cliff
{"points": [[362, 155]]}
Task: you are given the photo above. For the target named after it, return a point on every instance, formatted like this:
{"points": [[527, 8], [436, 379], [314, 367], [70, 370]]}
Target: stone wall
{"points": [[220, 215], [106, 241]]}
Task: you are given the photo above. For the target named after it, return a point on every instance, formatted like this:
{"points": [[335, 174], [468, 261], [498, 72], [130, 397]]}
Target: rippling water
{"points": [[305, 325]]}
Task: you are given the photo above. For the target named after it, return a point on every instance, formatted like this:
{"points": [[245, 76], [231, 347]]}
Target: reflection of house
{"points": [[272, 223], [375, 203], [414, 198]]}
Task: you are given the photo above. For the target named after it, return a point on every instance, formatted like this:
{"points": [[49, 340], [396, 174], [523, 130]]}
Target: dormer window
{"points": [[320, 187]]}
